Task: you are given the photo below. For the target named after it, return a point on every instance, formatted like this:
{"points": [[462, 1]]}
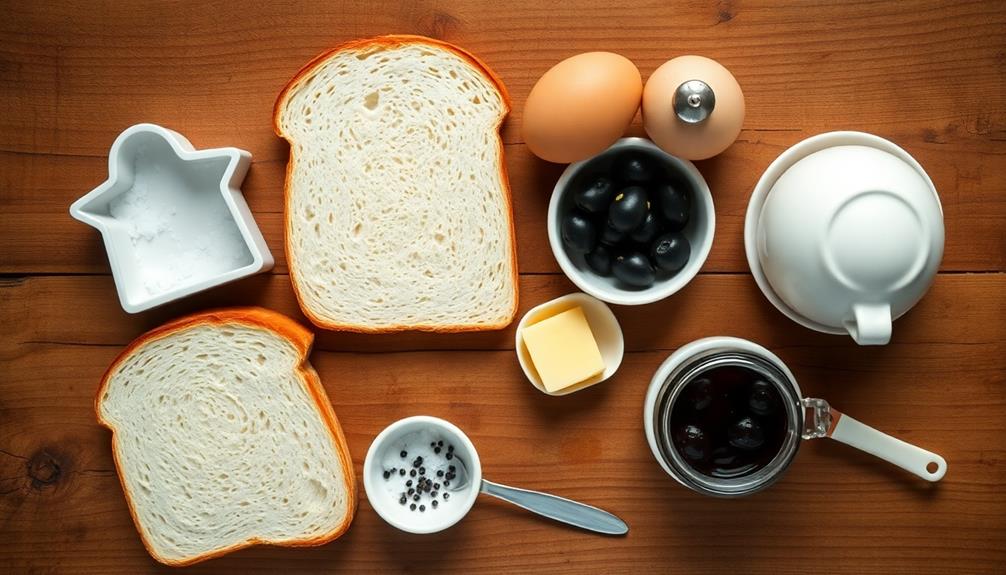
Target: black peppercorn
{"points": [[401, 472], [434, 494], [404, 454], [436, 486], [436, 450], [402, 500], [415, 497], [408, 483], [435, 502], [422, 471], [450, 456], [440, 473], [411, 490], [422, 508], [451, 468], [450, 448], [447, 483], [412, 473], [447, 496], [412, 507], [387, 474], [440, 443]]}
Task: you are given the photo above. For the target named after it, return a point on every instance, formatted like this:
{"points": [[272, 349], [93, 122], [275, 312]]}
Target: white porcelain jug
{"points": [[844, 233]]}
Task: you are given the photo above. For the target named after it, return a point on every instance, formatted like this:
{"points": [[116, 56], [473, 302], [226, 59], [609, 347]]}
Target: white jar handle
{"points": [[871, 324], [925, 464]]}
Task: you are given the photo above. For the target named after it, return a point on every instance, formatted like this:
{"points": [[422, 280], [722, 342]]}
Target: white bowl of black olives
{"points": [[631, 225]]}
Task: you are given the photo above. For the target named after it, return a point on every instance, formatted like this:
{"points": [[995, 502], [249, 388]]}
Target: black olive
{"points": [[599, 260], [647, 230], [724, 457], [763, 399], [674, 205], [700, 393], [597, 197], [670, 252], [578, 233], [747, 434], [610, 236], [633, 168], [692, 442], [634, 269], [628, 209]]}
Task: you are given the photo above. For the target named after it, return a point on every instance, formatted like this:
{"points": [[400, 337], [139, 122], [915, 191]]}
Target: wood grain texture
{"points": [[931, 76], [82, 310], [835, 505], [39, 190], [941, 384], [71, 84]]}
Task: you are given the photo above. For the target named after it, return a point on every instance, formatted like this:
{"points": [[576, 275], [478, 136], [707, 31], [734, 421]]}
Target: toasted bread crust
{"points": [[302, 339], [386, 42]]}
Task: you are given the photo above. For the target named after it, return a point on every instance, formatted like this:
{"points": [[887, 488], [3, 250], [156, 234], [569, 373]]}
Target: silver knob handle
{"points": [[693, 101]]}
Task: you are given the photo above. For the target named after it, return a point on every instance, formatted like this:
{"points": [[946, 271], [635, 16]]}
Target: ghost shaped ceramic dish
{"points": [[173, 219]]}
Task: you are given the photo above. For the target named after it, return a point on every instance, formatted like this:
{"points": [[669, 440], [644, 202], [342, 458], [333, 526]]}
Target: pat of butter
{"points": [[563, 349]]}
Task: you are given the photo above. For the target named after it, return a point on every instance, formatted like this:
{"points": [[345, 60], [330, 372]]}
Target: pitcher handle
{"points": [[871, 324]]}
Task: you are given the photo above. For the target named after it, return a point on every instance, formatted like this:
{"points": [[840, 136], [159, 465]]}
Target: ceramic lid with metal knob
{"points": [[693, 107], [844, 234], [693, 101]]}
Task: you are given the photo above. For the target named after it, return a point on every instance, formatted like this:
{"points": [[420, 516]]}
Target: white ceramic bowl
{"points": [[173, 218], [603, 325], [383, 496], [844, 234], [699, 230]]}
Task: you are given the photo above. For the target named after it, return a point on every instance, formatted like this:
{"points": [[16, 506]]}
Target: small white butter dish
{"points": [[603, 324], [173, 218]]}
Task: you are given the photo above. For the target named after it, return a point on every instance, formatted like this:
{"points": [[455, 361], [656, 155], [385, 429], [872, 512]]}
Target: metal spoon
{"points": [[552, 506]]}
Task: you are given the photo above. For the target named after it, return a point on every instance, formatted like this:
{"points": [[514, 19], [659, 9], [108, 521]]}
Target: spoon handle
{"points": [[911, 458], [561, 509]]}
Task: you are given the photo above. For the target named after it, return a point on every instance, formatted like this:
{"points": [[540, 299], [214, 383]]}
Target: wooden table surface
{"points": [[929, 76]]}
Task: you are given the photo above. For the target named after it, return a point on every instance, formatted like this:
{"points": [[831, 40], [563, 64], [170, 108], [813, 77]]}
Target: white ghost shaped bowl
{"points": [[173, 218]]}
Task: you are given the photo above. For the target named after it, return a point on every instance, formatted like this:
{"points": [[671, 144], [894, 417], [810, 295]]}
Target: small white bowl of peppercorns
{"points": [[631, 225], [422, 474]]}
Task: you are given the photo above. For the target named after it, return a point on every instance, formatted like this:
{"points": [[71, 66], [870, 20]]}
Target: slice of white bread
{"points": [[223, 437], [398, 208]]}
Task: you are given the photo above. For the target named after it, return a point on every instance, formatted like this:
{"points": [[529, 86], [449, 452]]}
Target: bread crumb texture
{"points": [[398, 211], [219, 442]]}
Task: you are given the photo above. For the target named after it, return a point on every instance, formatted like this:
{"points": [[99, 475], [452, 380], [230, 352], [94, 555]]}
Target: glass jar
{"points": [[806, 417]]}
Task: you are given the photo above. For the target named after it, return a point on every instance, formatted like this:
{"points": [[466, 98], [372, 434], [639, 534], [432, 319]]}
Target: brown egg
{"points": [[581, 106], [697, 125]]}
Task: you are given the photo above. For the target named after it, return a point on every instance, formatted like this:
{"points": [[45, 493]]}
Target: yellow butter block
{"points": [[563, 349]]}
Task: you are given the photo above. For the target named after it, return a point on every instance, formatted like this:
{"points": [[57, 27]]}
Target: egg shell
{"points": [[581, 106], [692, 141]]}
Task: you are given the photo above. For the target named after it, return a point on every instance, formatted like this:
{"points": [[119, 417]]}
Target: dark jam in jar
{"points": [[728, 421]]}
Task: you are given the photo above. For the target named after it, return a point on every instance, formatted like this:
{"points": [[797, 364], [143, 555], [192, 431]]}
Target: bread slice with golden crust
{"points": [[398, 209], [223, 437]]}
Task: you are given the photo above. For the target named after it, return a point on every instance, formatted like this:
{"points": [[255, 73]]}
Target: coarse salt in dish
{"points": [[439, 460], [173, 219], [180, 235]]}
